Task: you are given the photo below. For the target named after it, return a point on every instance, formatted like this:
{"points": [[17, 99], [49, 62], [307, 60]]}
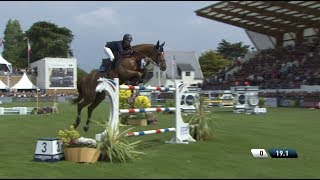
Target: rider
{"points": [[116, 49]]}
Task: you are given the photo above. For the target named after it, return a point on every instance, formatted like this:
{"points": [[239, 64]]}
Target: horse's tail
{"points": [[78, 99]]}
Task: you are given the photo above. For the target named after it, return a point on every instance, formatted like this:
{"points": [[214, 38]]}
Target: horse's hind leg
{"points": [[81, 104], [99, 98]]}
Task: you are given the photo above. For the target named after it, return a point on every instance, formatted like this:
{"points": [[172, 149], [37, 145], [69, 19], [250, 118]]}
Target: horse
{"points": [[127, 71]]}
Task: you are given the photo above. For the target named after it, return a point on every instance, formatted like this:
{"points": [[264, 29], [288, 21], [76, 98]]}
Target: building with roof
{"points": [[182, 66]]}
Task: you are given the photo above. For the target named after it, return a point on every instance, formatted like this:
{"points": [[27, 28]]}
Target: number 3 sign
{"points": [[48, 150]]}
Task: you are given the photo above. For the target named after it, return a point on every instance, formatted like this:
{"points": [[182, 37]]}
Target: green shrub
{"points": [[201, 123], [262, 102], [169, 103], [115, 147]]}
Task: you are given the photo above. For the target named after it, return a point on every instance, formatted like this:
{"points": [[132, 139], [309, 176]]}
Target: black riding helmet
{"points": [[127, 38]]}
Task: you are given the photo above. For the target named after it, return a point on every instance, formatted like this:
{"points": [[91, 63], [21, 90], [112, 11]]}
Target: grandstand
{"points": [[286, 36]]}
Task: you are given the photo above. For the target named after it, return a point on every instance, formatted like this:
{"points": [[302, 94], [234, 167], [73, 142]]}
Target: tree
{"points": [[232, 51], [211, 62], [14, 44], [49, 40]]}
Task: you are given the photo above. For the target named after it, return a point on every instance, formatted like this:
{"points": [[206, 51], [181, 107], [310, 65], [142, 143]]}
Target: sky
{"points": [[93, 23]]}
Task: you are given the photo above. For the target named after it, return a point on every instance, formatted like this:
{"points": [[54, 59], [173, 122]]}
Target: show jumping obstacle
{"points": [[112, 88], [16, 110]]}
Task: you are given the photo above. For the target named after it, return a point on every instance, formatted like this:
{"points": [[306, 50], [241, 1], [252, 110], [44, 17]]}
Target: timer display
{"points": [[283, 153]]}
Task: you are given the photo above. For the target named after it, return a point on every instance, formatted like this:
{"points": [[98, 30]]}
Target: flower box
{"points": [[81, 154], [138, 122]]}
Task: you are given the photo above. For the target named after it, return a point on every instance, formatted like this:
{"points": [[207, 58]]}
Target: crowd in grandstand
{"points": [[18, 71], [281, 68], [31, 93], [292, 95]]}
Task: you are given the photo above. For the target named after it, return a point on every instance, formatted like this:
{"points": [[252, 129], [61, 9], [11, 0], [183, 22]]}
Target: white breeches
{"points": [[109, 53]]}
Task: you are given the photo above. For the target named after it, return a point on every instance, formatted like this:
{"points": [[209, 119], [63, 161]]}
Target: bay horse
{"points": [[127, 71]]}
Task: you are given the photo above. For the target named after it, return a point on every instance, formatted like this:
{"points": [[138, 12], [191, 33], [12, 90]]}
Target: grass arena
{"points": [[227, 155]]}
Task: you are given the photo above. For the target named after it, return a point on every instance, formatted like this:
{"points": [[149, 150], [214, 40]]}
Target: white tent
{"points": [[24, 83], [2, 85], [5, 62]]}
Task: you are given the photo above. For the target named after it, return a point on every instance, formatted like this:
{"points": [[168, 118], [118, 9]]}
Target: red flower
{"points": [[72, 141]]}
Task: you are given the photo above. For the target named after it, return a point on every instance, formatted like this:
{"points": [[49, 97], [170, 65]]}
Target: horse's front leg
{"points": [[143, 76], [99, 98], [129, 74], [78, 120]]}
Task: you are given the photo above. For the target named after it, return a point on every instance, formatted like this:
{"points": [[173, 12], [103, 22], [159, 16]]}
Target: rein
{"points": [[148, 58]]}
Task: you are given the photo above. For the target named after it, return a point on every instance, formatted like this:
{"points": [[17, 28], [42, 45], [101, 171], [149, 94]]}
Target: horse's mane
{"points": [[143, 48], [140, 45]]}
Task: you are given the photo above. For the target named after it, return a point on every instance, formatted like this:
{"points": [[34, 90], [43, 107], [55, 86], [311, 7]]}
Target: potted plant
{"points": [[78, 149], [201, 122], [115, 147], [141, 118]]}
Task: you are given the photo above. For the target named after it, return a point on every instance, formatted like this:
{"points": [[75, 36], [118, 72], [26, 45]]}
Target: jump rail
{"points": [[112, 88]]}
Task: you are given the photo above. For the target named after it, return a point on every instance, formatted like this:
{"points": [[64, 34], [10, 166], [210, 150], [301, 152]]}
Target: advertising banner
{"points": [[61, 75], [271, 102]]}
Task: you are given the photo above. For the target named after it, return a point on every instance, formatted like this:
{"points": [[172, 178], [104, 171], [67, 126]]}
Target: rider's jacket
{"points": [[118, 48]]}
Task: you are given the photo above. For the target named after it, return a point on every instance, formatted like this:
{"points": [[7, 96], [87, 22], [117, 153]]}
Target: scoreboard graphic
{"points": [[274, 153]]}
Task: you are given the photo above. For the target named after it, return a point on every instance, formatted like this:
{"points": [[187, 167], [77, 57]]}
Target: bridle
{"points": [[149, 59]]}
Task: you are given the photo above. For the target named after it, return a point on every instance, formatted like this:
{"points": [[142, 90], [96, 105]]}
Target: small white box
{"points": [[48, 150]]}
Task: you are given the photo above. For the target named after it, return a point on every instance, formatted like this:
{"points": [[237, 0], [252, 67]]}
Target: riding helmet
{"points": [[127, 37]]}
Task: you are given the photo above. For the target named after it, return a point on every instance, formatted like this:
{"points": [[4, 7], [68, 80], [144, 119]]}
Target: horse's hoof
{"points": [[85, 128], [75, 125]]}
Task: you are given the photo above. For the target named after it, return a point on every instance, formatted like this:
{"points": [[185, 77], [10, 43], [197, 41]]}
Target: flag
{"points": [[1, 42], [29, 48]]}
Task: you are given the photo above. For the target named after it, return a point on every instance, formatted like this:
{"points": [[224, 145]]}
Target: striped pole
{"points": [[140, 133], [143, 110], [158, 88]]}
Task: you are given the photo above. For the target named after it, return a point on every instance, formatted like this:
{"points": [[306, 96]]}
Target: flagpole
{"points": [[28, 52], [8, 80], [159, 77], [173, 64]]}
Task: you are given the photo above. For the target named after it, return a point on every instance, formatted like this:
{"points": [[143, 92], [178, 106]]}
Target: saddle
{"points": [[106, 66]]}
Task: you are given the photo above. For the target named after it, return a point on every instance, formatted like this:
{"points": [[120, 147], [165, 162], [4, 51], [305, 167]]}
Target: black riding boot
{"points": [[104, 65], [112, 66], [115, 64]]}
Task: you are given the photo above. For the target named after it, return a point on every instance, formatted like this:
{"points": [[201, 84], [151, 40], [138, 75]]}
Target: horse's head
{"points": [[154, 53], [159, 56]]}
